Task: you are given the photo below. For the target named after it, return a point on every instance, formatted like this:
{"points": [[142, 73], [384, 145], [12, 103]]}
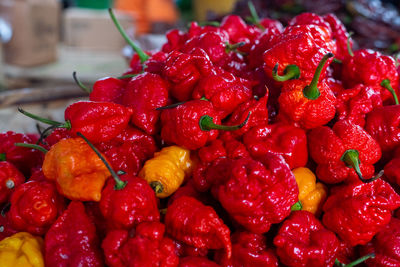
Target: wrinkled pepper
{"points": [[193, 261], [108, 89], [167, 170], [21, 249], [10, 178]]}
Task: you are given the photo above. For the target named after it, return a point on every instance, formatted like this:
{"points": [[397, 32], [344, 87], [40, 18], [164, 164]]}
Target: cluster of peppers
{"points": [[237, 144]]}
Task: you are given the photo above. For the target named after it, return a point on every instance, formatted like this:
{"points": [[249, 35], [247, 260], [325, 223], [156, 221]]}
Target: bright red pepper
{"points": [[10, 178], [6, 229], [146, 247], [195, 224], [302, 240], [279, 138], [175, 40], [192, 261], [35, 206], [108, 90], [344, 153], [358, 211], [144, 93], [392, 168], [72, 240], [55, 136]]}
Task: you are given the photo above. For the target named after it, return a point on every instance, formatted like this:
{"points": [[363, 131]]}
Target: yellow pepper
{"points": [[312, 195], [21, 250], [167, 170]]}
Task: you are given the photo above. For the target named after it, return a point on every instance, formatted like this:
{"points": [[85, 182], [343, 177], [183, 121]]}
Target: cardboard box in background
{"points": [[93, 29], [35, 25]]}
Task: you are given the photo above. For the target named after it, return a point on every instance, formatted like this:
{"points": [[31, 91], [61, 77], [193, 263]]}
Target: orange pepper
{"points": [[76, 169]]}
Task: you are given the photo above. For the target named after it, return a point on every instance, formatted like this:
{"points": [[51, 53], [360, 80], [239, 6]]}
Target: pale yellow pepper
{"points": [[21, 250], [167, 170], [312, 195]]}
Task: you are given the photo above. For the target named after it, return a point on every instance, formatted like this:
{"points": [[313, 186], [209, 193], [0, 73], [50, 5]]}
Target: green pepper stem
{"points": [[171, 106], [34, 146], [386, 84], [127, 76], [296, 206], [119, 184], [290, 72], [157, 186], [311, 91], [38, 118], [233, 47], [80, 84], [206, 124], [352, 160], [255, 19], [338, 61], [349, 50], [142, 55], [3, 157], [356, 262], [208, 23]]}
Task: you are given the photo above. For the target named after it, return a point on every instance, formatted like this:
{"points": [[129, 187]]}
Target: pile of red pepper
{"points": [[238, 144]]}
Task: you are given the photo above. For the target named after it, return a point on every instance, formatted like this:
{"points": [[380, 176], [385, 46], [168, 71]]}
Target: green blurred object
{"points": [[94, 4]]}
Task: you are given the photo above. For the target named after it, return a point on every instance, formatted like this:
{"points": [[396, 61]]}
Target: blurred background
{"points": [[43, 41]]}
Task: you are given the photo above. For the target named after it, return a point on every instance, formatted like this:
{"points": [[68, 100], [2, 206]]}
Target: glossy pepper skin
{"points": [[78, 172], [108, 89], [383, 124], [327, 146], [6, 229], [127, 207], [72, 240], [167, 170], [35, 205], [147, 247], [22, 249], [190, 221], [180, 125], [249, 250], [312, 195], [385, 245], [303, 241], [358, 211], [10, 178], [193, 261], [279, 138], [266, 199], [392, 168], [144, 93]]}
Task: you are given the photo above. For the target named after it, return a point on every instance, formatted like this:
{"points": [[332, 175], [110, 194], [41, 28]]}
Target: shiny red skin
{"points": [[180, 125], [295, 108], [385, 246], [190, 221], [383, 124], [370, 68], [214, 150], [392, 168], [144, 93], [270, 191], [249, 250], [10, 178], [35, 206], [55, 136], [358, 211], [128, 207], [183, 71], [303, 241], [97, 121], [72, 240], [175, 40], [5, 226], [326, 147], [21, 157], [154, 64], [192, 261], [184, 250], [355, 103], [262, 43], [224, 90], [108, 89], [147, 247]]}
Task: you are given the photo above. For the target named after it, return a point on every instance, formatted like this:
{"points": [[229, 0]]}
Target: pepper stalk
{"points": [[80, 84], [352, 160], [290, 72], [386, 84], [34, 146], [297, 206], [3, 157], [58, 124], [356, 262], [206, 124], [254, 18], [311, 91]]}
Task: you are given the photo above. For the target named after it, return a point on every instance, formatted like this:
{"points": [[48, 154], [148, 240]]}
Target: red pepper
{"points": [[35, 206], [10, 178], [385, 246], [144, 93], [154, 64], [383, 124], [343, 153], [108, 90], [55, 136], [175, 40], [183, 71], [392, 168], [6, 229], [279, 138], [308, 104], [146, 247], [261, 44], [21, 157], [249, 250], [192, 261], [192, 124], [72, 240], [270, 191], [195, 224], [358, 211], [355, 103], [303, 241]]}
